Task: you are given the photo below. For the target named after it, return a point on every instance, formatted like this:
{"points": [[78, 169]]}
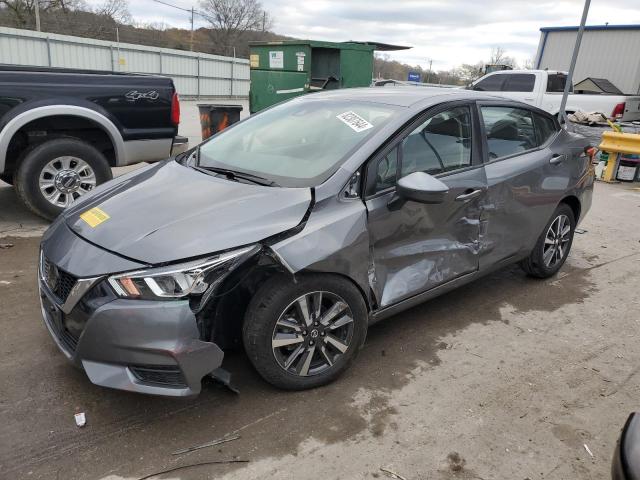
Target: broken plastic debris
{"points": [[588, 451], [81, 419]]}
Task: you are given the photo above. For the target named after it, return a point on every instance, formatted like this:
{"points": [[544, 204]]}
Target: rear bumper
{"points": [[180, 145]]}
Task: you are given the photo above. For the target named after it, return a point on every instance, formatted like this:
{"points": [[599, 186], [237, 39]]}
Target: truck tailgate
{"points": [[631, 109]]}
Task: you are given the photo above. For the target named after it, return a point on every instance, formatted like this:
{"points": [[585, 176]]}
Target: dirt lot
{"points": [[513, 374]]}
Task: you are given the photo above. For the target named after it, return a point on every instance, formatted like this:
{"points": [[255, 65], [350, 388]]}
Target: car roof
{"points": [[401, 96]]}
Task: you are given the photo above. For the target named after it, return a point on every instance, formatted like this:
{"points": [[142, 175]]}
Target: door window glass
{"points": [[492, 83], [519, 82], [509, 131], [440, 144], [545, 128], [386, 171]]}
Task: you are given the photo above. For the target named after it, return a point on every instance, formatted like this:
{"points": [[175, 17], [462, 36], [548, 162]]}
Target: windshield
{"points": [[298, 143]]}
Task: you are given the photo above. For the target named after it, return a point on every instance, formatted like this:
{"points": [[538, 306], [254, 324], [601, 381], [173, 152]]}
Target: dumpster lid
{"points": [[383, 47]]}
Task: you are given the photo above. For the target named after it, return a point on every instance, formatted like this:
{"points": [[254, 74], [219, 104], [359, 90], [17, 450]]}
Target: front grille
{"points": [[165, 375], [59, 282]]}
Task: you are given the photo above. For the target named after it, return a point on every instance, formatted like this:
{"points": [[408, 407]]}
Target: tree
{"points": [[499, 57], [23, 11], [230, 19], [117, 10]]}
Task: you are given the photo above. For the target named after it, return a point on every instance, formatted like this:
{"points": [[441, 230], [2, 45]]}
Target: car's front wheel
{"points": [[304, 334], [553, 245]]}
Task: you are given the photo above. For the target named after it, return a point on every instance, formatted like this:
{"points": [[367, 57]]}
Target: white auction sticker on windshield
{"points": [[355, 121]]}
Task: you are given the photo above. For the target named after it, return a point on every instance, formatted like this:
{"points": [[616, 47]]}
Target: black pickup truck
{"points": [[62, 130]]}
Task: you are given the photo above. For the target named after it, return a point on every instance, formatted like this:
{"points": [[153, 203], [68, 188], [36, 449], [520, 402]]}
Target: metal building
{"points": [[607, 51]]}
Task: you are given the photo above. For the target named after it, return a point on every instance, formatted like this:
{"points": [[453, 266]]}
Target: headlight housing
{"points": [[178, 281]]}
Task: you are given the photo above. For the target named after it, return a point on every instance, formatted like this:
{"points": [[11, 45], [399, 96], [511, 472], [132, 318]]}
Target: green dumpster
{"points": [[286, 69]]}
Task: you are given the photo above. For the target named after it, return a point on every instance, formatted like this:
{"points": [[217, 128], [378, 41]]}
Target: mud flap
{"points": [[220, 375]]}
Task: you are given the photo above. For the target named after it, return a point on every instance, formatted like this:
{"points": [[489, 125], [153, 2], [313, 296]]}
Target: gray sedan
{"points": [[293, 231]]}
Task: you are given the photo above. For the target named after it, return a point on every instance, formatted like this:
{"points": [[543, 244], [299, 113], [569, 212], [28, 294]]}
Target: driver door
{"points": [[415, 246]]}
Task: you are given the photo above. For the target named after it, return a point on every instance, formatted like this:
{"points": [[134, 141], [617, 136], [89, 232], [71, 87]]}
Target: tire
{"points": [[67, 167], [537, 264], [279, 296]]}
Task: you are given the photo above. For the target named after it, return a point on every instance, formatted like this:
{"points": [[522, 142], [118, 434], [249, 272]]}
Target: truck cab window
{"points": [[519, 82], [492, 83]]}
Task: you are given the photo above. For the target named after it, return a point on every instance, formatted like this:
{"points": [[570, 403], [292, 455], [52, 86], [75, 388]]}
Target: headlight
{"points": [[177, 281]]}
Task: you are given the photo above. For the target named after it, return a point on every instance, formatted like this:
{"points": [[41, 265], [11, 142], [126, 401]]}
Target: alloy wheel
{"points": [[312, 333], [556, 240], [64, 179]]}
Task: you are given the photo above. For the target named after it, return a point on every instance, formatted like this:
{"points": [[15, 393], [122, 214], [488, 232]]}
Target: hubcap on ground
{"points": [[312, 333], [556, 240], [64, 179]]}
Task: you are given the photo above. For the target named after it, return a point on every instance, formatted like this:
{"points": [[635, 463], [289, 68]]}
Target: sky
{"points": [[446, 32]]}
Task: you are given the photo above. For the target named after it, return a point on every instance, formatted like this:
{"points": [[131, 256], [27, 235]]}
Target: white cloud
{"points": [[447, 32]]}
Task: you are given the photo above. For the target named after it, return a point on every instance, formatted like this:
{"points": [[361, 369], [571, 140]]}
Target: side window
{"points": [[545, 128], [492, 83], [440, 144], [556, 82], [519, 82], [509, 130], [386, 171]]}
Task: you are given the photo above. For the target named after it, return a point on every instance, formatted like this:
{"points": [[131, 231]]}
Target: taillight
{"points": [[175, 109], [618, 111]]}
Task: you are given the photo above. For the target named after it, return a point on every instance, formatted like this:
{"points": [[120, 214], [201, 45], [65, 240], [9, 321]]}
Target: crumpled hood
{"points": [[170, 212]]}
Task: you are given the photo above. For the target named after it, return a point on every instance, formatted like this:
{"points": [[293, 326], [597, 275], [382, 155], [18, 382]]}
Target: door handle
{"points": [[529, 99], [557, 158], [469, 194]]}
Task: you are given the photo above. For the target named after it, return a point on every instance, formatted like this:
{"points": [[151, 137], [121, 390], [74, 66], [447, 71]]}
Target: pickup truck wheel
{"points": [[56, 173], [305, 334], [552, 247]]}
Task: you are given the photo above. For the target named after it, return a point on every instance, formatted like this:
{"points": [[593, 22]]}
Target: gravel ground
{"points": [[505, 378]]}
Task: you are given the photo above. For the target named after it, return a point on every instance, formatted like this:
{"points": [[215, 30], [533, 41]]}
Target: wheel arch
{"points": [[574, 203], [25, 118]]}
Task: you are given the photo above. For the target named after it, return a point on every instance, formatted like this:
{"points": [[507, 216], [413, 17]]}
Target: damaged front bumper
{"points": [[151, 347]]}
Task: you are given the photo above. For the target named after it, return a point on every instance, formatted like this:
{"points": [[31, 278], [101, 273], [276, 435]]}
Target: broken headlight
{"points": [[177, 281]]}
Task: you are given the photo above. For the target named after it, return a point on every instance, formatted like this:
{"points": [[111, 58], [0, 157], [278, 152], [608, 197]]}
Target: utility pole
{"points": [[37, 9], [264, 20], [191, 45], [574, 58], [429, 72]]}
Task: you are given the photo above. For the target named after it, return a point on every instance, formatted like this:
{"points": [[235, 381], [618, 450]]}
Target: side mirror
{"points": [[421, 187]]}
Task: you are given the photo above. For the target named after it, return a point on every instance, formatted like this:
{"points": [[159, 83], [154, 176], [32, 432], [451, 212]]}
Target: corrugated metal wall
{"points": [[611, 54], [194, 74]]}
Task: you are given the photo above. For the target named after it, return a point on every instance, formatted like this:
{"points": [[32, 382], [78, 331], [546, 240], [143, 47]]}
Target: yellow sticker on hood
{"points": [[94, 217]]}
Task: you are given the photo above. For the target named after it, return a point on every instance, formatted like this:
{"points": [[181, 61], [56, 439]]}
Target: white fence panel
{"points": [[194, 74]]}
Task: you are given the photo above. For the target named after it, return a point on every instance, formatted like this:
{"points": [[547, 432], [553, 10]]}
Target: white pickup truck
{"points": [[543, 89]]}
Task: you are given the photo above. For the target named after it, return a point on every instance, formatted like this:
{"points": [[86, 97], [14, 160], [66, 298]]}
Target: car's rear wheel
{"points": [[304, 334], [553, 246], [56, 173]]}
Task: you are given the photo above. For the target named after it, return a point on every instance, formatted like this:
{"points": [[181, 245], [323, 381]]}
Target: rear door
{"points": [[529, 169], [415, 246]]}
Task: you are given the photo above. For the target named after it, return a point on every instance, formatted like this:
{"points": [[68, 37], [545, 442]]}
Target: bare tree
{"points": [[499, 57], [229, 19], [117, 10], [23, 11]]}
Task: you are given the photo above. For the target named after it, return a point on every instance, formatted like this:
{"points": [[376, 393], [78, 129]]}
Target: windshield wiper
{"points": [[235, 175]]}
